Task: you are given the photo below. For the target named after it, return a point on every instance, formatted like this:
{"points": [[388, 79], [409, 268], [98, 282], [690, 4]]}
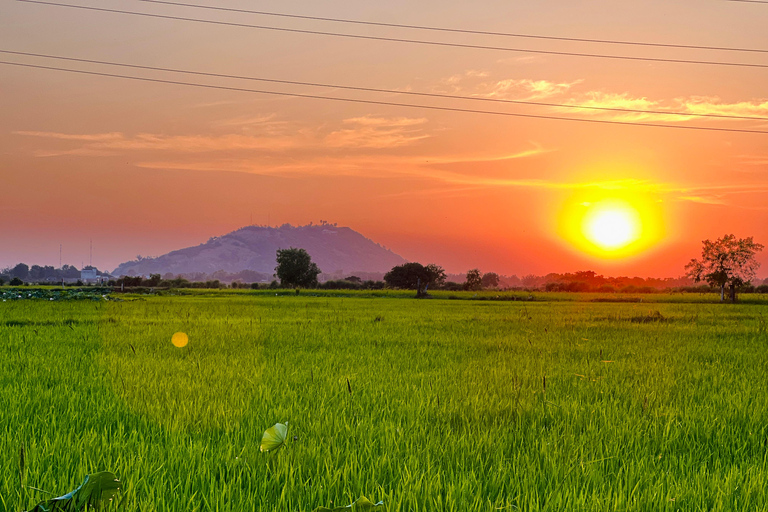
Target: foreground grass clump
{"points": [[425, 405]]}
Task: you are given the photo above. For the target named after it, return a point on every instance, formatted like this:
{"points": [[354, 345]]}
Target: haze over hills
{"points": [[336, 250]]}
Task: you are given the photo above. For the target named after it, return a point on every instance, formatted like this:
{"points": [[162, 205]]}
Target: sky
{"points": [[143, 168]]}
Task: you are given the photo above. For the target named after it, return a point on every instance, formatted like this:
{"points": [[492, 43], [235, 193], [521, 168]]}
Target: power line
{"points": [[461, 31], [751, 1], [387, 91], [402, 40], [384, 103]]}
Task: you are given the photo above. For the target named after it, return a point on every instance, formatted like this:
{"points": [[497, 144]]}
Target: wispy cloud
{"points": [[601, 104], [524, 89], [478, 84], [87, 137], [377, 132], [754, 160], [262, 133], [713, 105], [115, 143], [241, 121], [695, 106]]}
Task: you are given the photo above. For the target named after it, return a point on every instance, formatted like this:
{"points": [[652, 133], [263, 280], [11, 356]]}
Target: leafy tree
{"points": [[16, 282], [295, 268], [435, 275], [21, 271], [474, 280], [728, 261], [490, 280], [415, 276]]}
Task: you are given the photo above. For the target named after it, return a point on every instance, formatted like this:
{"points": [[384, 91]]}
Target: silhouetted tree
{"points": [[295, 268], [415, 276], [474, 280], [21, 271], [490, 280], [728, 261]]}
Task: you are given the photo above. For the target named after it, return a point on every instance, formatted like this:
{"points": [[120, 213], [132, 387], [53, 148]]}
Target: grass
{"points": [[455, 405]]}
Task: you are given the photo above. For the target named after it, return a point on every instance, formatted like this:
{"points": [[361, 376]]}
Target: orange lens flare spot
{"points": [[179, 340]]}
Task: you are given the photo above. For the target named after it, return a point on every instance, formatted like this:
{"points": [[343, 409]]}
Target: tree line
{"points": [[726, 264]]}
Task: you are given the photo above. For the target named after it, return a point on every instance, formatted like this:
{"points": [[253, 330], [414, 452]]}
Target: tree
{"points": [[728, 261], [415, 276], [474, 280], [490, 280], [295, 268], [21, 271]]}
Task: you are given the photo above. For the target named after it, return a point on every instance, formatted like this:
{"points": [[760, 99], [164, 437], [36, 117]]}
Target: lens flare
{"points": [[179, 340]]}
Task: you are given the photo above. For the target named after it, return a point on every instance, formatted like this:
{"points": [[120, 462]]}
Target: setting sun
{"points": [[611, 224]]}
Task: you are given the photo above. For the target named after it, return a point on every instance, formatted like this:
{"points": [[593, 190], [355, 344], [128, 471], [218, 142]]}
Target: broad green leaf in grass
{"points": [[362, 503], [96, 491], [274, 437]]}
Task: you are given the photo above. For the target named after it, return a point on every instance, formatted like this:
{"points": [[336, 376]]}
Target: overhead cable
{"points": [[403, 40], [458, 30], [388, 91], [383, 103]]}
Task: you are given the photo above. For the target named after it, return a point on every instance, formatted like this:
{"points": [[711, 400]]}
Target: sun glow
{"points": [[613, 227]]}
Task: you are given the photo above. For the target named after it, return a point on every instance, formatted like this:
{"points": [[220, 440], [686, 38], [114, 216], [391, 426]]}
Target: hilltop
{"points": [[336, 250]]}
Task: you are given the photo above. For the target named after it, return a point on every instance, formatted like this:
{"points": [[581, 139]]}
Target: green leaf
{"points": [[274, 437], [96, 491], [362, 503]]}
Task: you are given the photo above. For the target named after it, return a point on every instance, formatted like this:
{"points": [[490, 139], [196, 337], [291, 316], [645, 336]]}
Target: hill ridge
{"points": [[335, 249]]}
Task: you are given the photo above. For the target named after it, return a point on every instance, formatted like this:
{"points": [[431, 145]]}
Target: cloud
{"points": [[261, 133], [524, 89], [757, 160], [703, 199], [241, 121], [605, 105], [377, 133], [115, 143], [468, 84], [90, 137], [695, 106], [713, 105]]}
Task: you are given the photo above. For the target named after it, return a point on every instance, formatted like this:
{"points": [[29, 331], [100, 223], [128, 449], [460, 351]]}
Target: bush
{"points": [[339, 285], [763, 288], [16, 282]]}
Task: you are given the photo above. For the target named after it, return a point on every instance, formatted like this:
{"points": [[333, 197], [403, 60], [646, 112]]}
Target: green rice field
{"points": [[548, 402]]}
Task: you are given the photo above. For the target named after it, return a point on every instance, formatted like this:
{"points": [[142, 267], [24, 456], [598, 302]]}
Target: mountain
{"points": [[336, 250]]}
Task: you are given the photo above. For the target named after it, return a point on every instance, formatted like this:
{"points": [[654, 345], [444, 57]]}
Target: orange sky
{"points": [[145, 168]]}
